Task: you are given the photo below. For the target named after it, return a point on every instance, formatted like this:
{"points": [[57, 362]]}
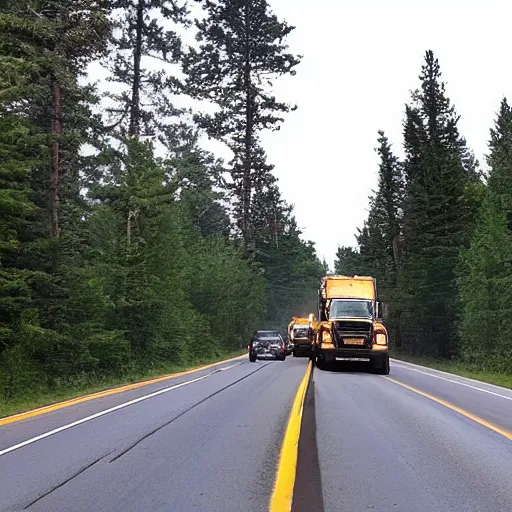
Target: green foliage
{"points": [[115, 262], [435, 218], [139, 39], [348, 262], [485, 278], [486, 291]]}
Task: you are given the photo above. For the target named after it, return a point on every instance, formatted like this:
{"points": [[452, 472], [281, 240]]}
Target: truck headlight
{"points": [[381, 339]]}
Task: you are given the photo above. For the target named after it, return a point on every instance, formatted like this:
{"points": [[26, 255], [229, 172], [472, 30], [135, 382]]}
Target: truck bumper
{"points": [[375, 357], [303, 346]]}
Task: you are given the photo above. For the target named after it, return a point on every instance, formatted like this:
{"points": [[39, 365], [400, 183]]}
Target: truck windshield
{"points": [[351, 309]]}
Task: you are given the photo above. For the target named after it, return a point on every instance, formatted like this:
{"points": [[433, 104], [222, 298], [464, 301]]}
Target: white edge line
{"points": [[145, 383], [107, 411], [451, 374], [455, 381]]}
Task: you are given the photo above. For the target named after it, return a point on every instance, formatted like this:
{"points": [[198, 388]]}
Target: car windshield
{"points": [[267, 334], [351, 309]]}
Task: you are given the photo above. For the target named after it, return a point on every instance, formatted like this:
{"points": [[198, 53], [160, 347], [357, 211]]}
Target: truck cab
{"points": [[350, 327]]}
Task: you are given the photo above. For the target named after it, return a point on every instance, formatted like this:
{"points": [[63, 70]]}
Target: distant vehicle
{"points": [[267, 345], [300, 332]]}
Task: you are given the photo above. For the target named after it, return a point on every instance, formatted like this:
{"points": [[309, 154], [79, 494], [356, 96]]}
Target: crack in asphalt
{"points": [[133, 445], [74, 475]]}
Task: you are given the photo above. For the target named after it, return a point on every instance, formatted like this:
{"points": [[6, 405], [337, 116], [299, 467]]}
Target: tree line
{"points": [[123, 244], [438, 236]]}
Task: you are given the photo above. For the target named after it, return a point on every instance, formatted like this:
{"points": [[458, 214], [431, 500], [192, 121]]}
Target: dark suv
{"points": [[267, 345]]}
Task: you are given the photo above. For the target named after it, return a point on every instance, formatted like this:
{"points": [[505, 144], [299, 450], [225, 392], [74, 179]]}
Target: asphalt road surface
{"points": [[383, 447], [211, 445], [210, 441]]}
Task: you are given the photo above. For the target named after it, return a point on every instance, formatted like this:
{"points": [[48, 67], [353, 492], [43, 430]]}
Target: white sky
{"points": [[361, 59]]}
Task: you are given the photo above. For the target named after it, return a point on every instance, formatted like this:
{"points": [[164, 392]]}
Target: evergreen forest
{"points": [[438, 234], [126, 247]]}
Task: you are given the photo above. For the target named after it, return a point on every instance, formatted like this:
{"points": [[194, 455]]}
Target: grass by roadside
{"points": [[458, 368], [36, 397]]}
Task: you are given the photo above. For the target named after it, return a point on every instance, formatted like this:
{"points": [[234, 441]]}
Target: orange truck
{"points": [[350, 324], [300, 334]]}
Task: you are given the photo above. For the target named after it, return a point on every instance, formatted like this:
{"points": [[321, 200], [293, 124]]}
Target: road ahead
{"points": [[384, 447], [210, 441]]}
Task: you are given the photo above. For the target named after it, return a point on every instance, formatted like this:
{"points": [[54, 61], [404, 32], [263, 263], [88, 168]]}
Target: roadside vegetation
{"points": [[39, 396], [438, 238], [127, 250]]}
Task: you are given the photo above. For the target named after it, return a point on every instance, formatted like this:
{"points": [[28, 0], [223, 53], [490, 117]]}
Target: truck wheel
{"points": [[383, 368], [252, 357], [295, 353]]}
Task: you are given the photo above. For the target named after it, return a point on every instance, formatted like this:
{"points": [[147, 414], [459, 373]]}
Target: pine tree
{"points": [[435, 223], [348, 262], [144, 107], [379, 240], [387, 205], [500, 162], [202, 189], [241, 52], [486, 273], [44, 47], [58, 38], [17, 153], [486, 291]]}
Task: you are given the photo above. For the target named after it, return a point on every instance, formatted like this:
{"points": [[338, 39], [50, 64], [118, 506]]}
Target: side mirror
{"points": [[382, 311]]}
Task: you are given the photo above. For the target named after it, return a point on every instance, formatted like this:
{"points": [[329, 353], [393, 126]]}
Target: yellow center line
{"points": [[282, 495], [101, 394], [465, 413]]}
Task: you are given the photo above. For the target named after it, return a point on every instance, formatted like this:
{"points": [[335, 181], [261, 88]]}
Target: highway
{"points": [[383, 447], [417, 440]]}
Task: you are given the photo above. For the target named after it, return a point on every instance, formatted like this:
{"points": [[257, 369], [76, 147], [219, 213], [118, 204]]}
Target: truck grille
{"points": [[344, 331]]}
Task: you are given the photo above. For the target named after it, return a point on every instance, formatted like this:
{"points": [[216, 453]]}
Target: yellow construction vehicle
{"points": [[350, 324], [301, 334]]}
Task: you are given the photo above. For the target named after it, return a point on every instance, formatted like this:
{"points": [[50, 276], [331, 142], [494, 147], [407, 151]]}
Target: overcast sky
{"points": [[361, 60]]}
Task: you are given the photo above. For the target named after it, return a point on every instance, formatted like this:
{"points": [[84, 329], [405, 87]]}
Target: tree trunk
{"points": [[134, 128], [246, 180], [55, 176]]}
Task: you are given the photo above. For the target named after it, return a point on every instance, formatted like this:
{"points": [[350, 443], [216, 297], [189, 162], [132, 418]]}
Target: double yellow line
{"points": [[282, 495]]}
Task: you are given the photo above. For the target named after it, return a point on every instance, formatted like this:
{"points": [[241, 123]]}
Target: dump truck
{"points": [[300, 334], [350, 324]]}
